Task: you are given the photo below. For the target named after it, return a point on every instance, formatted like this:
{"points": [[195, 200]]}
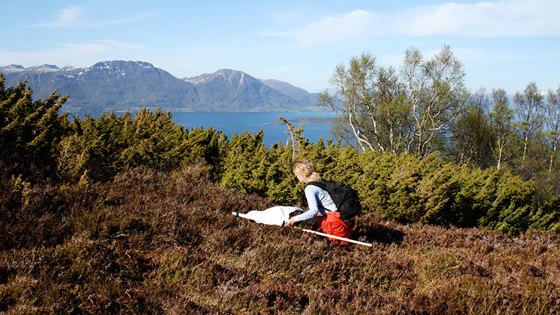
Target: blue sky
{"points": [[502, 44]]}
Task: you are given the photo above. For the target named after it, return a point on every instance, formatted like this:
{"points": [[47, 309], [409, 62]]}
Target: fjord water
{"points": [[273, 129]]}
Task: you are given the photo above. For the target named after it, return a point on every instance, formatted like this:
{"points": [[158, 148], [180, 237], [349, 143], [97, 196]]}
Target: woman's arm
{"points": [[312, 202]]}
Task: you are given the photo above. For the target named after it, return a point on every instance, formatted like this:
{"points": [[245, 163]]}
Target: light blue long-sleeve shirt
{"points": [[319, 202]]}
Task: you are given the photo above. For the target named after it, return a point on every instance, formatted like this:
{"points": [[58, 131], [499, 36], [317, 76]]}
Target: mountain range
{"points": [[130, 85]]}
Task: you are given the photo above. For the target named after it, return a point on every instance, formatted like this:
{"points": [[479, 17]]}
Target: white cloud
{"points": [[100, 46], [331, 28], [66, 17], [485, 19], [75, 16], [506, 18], [70, 53], [119, 21]]}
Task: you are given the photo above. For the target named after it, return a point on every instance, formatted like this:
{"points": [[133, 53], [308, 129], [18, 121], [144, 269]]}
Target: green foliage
{"points": [[281, 184], [22, 188], [406, 111], [29, 131], [374, 105], [398, 180], [246, 164], [547, 217], [206, 146], [93, 149], [152, 140], [508, 202], [530, 109], [501, 121], [408, 189], [425, 108], [100, 147], [473, 135]]}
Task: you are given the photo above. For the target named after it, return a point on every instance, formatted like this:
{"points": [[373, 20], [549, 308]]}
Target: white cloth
{"points": [[272, 216]]}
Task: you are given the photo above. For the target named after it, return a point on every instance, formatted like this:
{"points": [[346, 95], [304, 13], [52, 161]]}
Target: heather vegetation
{"points": [[150, 241], [131, 213]]}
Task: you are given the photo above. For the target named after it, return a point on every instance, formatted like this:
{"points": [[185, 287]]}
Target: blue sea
{"points": [[317, 126]]}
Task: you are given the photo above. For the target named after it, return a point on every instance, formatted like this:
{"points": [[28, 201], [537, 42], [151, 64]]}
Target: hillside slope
{"points": [[166, 243]]}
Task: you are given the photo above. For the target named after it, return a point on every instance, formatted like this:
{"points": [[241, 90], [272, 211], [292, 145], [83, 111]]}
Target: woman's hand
{"points": [[290, 222]]}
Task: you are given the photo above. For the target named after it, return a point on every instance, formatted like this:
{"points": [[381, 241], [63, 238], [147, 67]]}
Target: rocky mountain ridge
{"points": [[130, 85]]}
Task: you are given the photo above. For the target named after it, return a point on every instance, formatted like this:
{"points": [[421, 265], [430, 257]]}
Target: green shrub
{"points": [[246, 164], [30, 131]]}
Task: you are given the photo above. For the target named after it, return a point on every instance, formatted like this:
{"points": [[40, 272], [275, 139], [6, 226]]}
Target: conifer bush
{"points": [[30, 130], [103, 146], [280, 182], [246, 164]]}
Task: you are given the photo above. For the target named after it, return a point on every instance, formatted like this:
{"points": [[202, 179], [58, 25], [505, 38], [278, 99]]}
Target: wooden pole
{"points": [[237, 214], [335, 237]]}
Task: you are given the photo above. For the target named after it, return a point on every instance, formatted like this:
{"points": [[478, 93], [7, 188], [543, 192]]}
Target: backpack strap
{"points": [[321, 185]]}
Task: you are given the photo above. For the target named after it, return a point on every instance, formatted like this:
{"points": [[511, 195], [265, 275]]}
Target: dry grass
{"points": [[166, 243]]}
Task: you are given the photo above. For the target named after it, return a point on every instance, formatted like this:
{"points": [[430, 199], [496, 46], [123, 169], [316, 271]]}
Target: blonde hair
{"points": [[305, 168]]}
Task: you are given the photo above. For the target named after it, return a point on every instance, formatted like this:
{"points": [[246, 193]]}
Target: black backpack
{"points": [[344, 197]]}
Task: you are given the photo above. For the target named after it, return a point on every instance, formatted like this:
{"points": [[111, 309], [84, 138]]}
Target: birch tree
{"points": [[472, 134], [371, 101], [436, 93], [530, 110], [407, 111], [553, 123], [501, 119]]}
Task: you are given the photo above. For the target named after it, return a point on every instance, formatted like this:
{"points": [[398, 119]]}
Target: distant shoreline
{"points": [[305, 120], [178, 110]]}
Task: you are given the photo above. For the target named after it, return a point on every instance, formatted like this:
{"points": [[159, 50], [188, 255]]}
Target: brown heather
{"points": [[166, 243]]}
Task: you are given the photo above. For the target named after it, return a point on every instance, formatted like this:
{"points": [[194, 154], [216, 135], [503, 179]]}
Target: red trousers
{"points": [[333, 225]]}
